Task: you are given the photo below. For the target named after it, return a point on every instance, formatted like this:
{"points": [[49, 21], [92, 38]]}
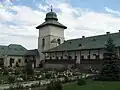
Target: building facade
{"points": [[51, 34], [55, 51], [16, 55]]}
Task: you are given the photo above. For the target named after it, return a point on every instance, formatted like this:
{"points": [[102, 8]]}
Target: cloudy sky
{"points": [[18, 18]]}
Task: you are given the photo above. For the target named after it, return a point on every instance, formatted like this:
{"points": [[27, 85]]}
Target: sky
{"points": [[18, 19]]}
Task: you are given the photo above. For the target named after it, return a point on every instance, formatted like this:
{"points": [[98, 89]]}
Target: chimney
{"points": [[107, 33], [83, 36]]}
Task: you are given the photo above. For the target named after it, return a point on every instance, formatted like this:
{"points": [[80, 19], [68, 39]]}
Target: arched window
{"points": [[59, 41], [43, 42]]}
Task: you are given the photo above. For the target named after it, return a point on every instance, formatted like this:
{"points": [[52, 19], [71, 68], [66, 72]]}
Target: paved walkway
{"points": [[5, 86]]}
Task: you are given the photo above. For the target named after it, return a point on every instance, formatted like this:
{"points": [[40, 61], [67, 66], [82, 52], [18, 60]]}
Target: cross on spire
{"points": [[51, 8]]}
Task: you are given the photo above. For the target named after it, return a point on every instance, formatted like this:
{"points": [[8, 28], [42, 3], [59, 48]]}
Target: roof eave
{"points": [[40, 26]]}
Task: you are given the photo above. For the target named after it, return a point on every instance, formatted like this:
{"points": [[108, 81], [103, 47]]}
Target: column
{"points": [[75, 58], [89, 57], [119, 52], [99, 54], [50, 56], [80, 55], [55, 55], [62, 55]]}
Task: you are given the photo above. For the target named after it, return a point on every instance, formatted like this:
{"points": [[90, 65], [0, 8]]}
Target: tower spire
{"points": [[51, 8]]}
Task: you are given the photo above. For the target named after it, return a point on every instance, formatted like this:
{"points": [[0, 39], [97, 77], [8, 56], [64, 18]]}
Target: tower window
{"points": [[43, 42], [59, 41]]}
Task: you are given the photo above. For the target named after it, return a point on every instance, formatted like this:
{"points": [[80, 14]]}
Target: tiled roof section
{"points": [[15, 50], [32, 52], [51, 22], [3, 50], [92, 42]]}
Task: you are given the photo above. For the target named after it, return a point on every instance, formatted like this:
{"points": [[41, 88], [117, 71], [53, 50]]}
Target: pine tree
{"points": [[110, 55], [110, 70]]}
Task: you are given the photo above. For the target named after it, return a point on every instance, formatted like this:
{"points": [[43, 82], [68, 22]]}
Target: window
{"points": [[69, 57], [11, 61], [97, 57], [75, 57], [79, 45], [88, 57], [43, 42], [82, 57], [19, 60], [59, 41], [25, 60], [61, 57], [57, 57]]}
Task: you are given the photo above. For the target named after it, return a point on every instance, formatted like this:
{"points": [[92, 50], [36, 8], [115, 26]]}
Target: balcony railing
{"points": [[57, 61], [95, 61]]}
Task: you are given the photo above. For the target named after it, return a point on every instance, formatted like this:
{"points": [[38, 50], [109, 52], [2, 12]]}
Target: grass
{"points": [[4, 77], [93, 85]]}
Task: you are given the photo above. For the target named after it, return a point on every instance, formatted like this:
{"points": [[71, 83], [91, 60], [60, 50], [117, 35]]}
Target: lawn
{"points": [[93, 85]]}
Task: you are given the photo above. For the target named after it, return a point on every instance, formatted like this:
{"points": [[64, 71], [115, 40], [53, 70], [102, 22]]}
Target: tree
{"points": [[110, 70], [110, 55], [29, 69]]}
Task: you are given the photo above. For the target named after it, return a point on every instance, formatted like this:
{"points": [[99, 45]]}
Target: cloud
{"points": [[19, 27], [112, 11]]}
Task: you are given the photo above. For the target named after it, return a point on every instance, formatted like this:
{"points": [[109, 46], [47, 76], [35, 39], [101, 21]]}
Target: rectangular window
{"points": [[82, 57], [97, 57], [88, 57], [19, 60], [75, 57], [25, 60], [11, 61]]}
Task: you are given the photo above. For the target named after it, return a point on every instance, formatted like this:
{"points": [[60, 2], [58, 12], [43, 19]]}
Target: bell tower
{"points": [[51, 33]]}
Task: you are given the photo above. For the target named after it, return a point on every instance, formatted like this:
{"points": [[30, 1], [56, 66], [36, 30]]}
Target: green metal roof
{"points": [[14, 50], [51, 19], [93, 42], [51, 15], [51, 22]]}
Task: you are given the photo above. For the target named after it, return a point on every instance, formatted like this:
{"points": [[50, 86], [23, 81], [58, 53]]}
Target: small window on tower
{"points": [[43, 42], [59, 41]]}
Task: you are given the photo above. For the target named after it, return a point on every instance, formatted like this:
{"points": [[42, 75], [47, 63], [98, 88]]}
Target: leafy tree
{"points": [[110, 70]]}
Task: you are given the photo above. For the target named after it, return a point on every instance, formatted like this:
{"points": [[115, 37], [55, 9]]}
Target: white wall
{"points": [[49, 33], [72, 54], [7, 60]]}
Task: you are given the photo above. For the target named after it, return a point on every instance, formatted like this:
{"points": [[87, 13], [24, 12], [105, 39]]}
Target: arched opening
{"points": [[59, 41], [43, 42]]}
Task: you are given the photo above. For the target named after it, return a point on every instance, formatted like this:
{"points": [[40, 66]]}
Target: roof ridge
{"points": [[93, 36]]}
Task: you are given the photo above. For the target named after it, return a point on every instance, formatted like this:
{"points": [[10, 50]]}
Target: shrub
{"points": [[5, 72], [54, 85], [81, 82], [66, 79], [11, 79]]}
